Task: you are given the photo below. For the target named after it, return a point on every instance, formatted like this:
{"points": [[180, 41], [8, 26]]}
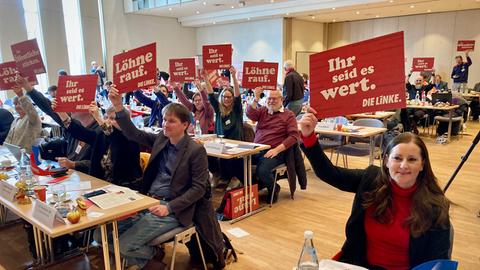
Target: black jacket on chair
{"points": [[125, 154], [432, 245]]}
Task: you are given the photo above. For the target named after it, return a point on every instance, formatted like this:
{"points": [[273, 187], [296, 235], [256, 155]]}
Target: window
{"points": [[74, 34], [34, 30]]}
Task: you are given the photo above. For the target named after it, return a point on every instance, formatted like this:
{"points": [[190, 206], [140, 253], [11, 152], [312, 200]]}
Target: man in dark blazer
{"points": [[176, 174]]}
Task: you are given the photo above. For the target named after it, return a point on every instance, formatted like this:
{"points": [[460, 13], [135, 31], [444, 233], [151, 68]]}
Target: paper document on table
{"points": [[234, 150], [334, 265], [114, 199], [83, 185]]}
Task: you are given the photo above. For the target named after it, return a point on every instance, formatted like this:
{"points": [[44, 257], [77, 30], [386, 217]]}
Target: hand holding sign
{"points": [[18, 91], [22, 82], [115, 98], [75, 93], [260, 74], [217, 56], [307, 124]]}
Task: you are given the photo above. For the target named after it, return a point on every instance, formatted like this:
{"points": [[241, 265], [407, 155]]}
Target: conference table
{"points": [[448, 109], [383, 116], [237, 149], [357, 132], [96, 216]]}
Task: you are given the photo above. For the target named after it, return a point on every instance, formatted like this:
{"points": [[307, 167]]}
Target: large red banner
{"points": [[7, 76], [423, 63], [136, 68], [465, 45], [182, 70], [260, 74], [28, 57], [217, 56], [75, 93], [362, 77]]}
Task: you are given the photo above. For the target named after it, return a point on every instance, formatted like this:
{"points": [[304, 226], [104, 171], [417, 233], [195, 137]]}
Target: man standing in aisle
{"points": [[292, 88], [100, 72], [460, 73]]}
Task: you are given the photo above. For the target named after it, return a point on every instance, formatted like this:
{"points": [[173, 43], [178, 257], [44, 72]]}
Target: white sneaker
{"points": [[234, 183]]}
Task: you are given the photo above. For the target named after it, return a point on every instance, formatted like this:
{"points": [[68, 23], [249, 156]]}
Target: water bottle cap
{"points": [[308, 234]]}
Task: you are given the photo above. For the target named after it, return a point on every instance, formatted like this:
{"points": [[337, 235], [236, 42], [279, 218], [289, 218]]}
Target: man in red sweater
{"points": [[276, 127]]}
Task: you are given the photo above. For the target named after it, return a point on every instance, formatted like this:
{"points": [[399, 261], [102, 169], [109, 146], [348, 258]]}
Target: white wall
{"points": [[251, 41], [12, 27], [53, 27], [428, 35], [128, 31], [91, 32], [307, 38]]}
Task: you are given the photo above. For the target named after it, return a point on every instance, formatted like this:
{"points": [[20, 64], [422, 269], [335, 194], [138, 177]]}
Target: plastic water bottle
{"points": [[308, 258], [198, 129], [25, 170], [423, 96], [417, 97]]}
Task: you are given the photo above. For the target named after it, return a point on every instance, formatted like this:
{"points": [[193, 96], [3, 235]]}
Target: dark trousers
{"points": [[231, 168], [264, 169]]}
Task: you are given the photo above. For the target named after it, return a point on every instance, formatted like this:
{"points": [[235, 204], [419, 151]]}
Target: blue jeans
{"points": [[295, 106], [265, 166], [136, 232]]}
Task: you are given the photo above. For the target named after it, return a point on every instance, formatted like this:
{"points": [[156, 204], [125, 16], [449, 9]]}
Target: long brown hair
{"points": [[429, 204], [224, 111]]}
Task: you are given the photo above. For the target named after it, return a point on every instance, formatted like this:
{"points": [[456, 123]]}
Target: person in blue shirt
{"points": [[156, 105], [460, 73]]}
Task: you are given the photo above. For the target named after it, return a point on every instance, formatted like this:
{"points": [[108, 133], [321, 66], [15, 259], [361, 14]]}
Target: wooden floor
{"points": [[276, 234]]}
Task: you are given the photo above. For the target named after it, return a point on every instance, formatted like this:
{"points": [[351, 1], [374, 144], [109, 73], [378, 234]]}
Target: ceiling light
{"points": [[313, 17], [204, 3], [241, 3], [232, 7], [377, 16], [214, 22], [333, 8], [287, 13], [272, 1], [412, 6], [358, 12], [198, 12], [391, 1], [429, 10], [248, 19], [169, 9], [334, 20]]}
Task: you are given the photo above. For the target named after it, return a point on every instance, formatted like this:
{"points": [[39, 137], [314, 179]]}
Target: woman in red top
{"points": [[400, 215]]}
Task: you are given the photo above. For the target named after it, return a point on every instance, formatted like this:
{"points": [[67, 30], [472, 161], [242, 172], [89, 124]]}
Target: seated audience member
{"points": [[277, 127], [6, 119], [399, 216], [28, 126], [176, 174], [200, 107], [439, 84], [460, 73], [52, 91], [114, 158], [419, 89], [77, 153], [229, 123], [462, 110], [476, 88], [475, 108], [156, 105]]}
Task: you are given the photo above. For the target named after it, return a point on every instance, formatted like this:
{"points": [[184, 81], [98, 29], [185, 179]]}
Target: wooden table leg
{"points": [[116, 245], [106, 255]]}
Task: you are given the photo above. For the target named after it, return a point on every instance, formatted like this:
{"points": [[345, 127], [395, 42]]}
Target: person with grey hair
{"points": [[28, 126], [100, 72], [293, 88], [460, 73], [277, 127]]}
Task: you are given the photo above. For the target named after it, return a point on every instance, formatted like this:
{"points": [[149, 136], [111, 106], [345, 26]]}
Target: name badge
{"points": [[227, 122], [7, 191], [78, 149], [46, 214]]}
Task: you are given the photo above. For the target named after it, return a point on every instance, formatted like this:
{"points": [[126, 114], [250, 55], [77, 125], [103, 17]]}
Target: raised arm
{"points": [[123, 120], [236, 86], [341, 178], [469, 60], [143, 99], [181, 96], [252, 109], [27, 106]]}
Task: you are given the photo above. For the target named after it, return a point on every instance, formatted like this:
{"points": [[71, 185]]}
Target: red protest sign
{"points": [[260, 74], [136, 68], [362, 77], [465, 45], [7, 76], [28, 58], [422, 63], [217, 56], [182, 70], [75, 93]]}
